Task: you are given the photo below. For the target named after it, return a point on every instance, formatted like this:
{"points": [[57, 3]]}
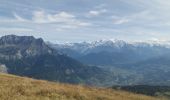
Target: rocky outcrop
{"points": [[17, 47]]}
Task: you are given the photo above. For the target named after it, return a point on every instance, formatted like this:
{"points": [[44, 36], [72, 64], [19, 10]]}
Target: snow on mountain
{"points": [[112, 43], [113, 47]]}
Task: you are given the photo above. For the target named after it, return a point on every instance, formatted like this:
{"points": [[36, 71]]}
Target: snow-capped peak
{"points": [[115, 43]]}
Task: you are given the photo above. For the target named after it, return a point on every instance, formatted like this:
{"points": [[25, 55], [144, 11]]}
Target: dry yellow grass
{"points": [[19, 88]]}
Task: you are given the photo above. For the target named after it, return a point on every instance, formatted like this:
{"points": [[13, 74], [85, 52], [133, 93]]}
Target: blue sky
{"points": [[86, 20]]}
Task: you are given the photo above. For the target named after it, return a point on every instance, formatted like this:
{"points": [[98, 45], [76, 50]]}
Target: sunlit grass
{"points": [[18, 88]]}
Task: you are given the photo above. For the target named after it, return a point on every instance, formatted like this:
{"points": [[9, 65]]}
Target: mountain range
{"points": [[31, 57], [143, 63], [99, 63]]}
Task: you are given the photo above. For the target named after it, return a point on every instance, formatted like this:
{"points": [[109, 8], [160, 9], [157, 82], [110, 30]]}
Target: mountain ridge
{"points": [[31, 57], [139, 64]]}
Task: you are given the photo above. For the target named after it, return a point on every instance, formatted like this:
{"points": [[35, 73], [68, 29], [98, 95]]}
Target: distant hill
{"points": [[19, 88]]}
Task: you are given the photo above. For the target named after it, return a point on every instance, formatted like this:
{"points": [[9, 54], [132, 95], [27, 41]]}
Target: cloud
{"points": [[42, 21], [143, 16], [61, 17], [132, 19], [41, 17], [151, 4], [121, 21], [18, 18], [96, 12], [61, 20]]}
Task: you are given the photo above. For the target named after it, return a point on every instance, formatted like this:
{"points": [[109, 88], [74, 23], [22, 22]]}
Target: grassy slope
{"points": [[18, 88]]}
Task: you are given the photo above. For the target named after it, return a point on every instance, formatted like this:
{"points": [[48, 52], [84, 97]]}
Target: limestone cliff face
{"points": [[31, 57], [17, 47]]}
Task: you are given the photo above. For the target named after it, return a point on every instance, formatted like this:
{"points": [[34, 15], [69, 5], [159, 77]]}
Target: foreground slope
{"points": [[18, 88]]}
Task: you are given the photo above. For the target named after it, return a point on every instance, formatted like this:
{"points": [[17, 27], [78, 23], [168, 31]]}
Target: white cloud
{"points": [[138, 21], [121, 21], [61, 18], [96, 12], [43, 17], [18, 18], [41, 21], [39, 17], [143, 16]]}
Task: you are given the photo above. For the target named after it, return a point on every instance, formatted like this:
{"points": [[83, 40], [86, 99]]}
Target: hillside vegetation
{"points": [[161, 91], [19, 88]]}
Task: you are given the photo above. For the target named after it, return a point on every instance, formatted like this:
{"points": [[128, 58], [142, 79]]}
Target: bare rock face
{"points": [[31, 57], [17, 47]]}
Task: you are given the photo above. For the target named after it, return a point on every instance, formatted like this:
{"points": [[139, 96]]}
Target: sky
{"points": [[86, 20]]}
